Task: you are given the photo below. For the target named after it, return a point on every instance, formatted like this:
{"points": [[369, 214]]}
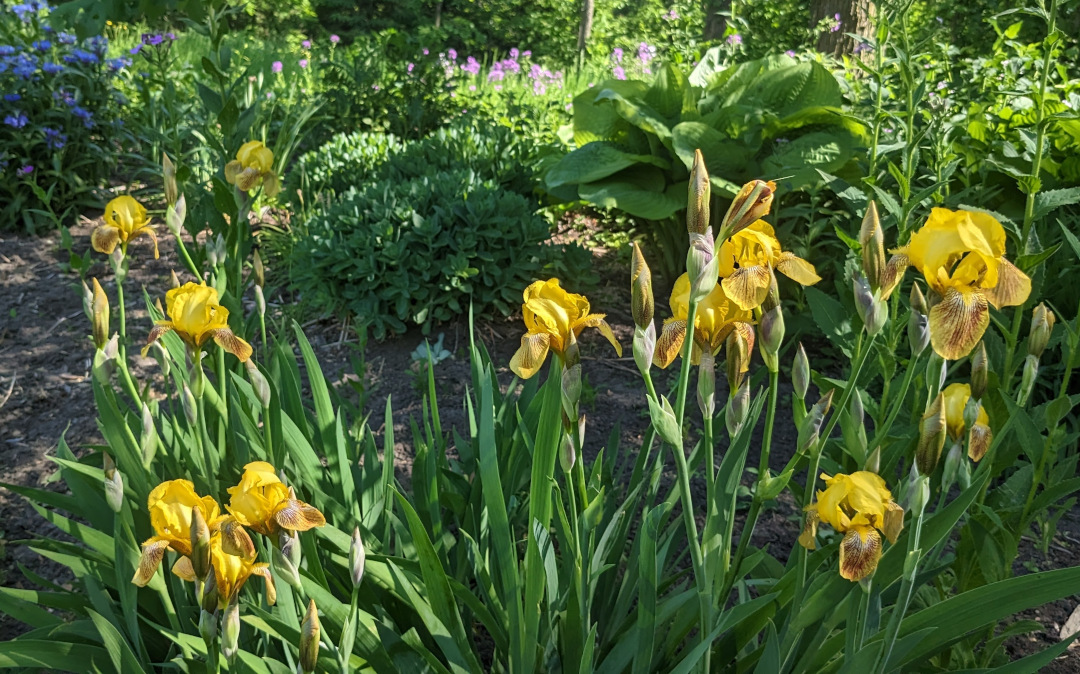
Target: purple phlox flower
{"points": [[334, 39], [617, 54], [496, 73], [410, 67], [645, 53], [526, 54], [511, 65], [942, 84], [863, 47], [426, 51], [472, 87], [277, 66], [836, 26], [52, 68], [170, 36], [375, 87], [539, 88], [451, 54], [66, 38], [672, 15], [306, 44], [11, 98], [791, 53], [514, 53], [472, 66], [734, 39], [303, 63], [42, 45], [619, 73], [569, 107], [497, 87], [17, 119], [269, 95], [26, 170], [535, 71]]}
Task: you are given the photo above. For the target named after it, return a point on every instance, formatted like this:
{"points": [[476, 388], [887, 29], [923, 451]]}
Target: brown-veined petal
{"points": [[153, 551], [183, 569], [597, 321], [226, 339], [531, 354], [246, 179], [958, 322], [808, 537], [104, 238], [893, 273], [894, 521], [147, 231], [296, 515], [860, 552], [979, 440], [233, 169], [235, 540], [1013, 286], [748, 286], [263, 570], [271, 184], [670, 342], [797, 269], [159, 329]]}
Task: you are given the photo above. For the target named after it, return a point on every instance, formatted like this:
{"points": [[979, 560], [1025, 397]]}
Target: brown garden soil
{"points": [[45, 347]]}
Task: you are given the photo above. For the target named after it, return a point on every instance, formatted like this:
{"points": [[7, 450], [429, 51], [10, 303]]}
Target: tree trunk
{"points": [[715, 22], [585, 30], [438, 13], [854, 17]]}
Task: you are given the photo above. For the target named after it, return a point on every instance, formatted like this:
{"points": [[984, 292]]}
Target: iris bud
{"points": [[737, 408], [706, 385], [114, 485], [200, 544], [230, 630], [800, 373], [644, 347], [751, 203], [931, 437], [641, 293], [872, 240], [357, 556], [309, 639], [918, 322], [698, 198], [1042, 326]]}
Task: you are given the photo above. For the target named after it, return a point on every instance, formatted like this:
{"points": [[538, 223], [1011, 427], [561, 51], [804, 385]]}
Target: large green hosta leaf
{"points": [[641, 191], [599, 121], [723, 156], [595, 161], [800, 158]]}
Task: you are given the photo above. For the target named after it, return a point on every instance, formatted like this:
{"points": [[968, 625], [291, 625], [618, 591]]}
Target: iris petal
{"points": [[958, 322]]}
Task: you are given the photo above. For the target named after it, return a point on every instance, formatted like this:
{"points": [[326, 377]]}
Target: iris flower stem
{"points": [[125, 375], [575, 529], [188, 262], [221, 373], [269, 440], [693, 543], [898, 403], [756, 503], [907, 587]]}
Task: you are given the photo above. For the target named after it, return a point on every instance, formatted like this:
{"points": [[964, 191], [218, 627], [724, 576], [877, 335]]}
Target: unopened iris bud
{"points": [[706, 385], [168, 172], [644, 347], [175, 216], [641, 292], [149, 436], [858, 421], [952, 465], [931, 437], [285, 569], [258, 382], [980, 370], [230, 630], [200, 544], [258, 269], [737, 350], [872, 310], [1027, 382], [88, 301], [702, 265], [937, 369], [99, 308], [751, 204], [309, 639], [800, 373], [738, 408], [162, 357], [1042, 326], [872, 240], [771, 336], [357, 557], [174, 280], [920, 494], [571, 391], [215, 251], [810, 427], [260, 301], [567, 453], [918, 322], [289, 541], [873, 462], [963, 476], [772, 297], [187, 401], [699, 198], [114, 484], [207, 626], [210, 597]]}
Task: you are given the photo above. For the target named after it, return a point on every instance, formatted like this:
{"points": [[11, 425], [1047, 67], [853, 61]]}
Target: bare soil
{"points": [[44, 346]]}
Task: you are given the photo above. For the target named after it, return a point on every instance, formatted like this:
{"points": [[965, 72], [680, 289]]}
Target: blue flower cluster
{"points": [[28, 11]]}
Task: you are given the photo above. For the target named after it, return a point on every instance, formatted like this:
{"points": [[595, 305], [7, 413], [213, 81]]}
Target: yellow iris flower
{"points": [[230, 572], [125, 221], [554, 319], [717, 315], [980, 436], [195, 315], [747, 261], [254, 165], [962, 256], [170, 505], [859, 506], [263, 503]]}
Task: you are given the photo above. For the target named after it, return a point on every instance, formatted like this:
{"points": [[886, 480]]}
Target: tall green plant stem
{"points": [[907, 587], [125, 375], [1036, 170], [757, 502], [700, 578], [898, 403]]}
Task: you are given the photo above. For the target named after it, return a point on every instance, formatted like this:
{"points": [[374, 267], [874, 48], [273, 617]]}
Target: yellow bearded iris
{"points": [[195, 315], [554, 319], [859, 506], [717, 315], [747, 261], [125, 221], [980, 436], [263, 503], [170, 505], [254, 165], [962, 256], [232, 571]]}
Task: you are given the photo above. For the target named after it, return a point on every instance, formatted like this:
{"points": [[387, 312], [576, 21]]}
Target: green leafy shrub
{"points": [[346, 160], [417, 252], [59, 125]]}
